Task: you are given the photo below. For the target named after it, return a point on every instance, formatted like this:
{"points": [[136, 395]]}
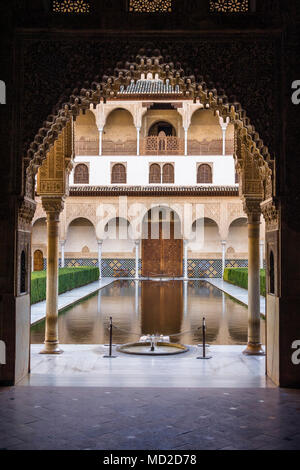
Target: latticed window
{"points": [[71, 6], [81, 174], [118, 174], [204, 174], [155, 173], [150, 6], [229, 6], [168, 173]]}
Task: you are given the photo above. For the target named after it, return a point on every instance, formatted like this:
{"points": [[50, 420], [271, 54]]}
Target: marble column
{"points": [[136, 290], [52, 206], [223, 256], [137, 244], [185, 141], [185, 299], [62, 251], [254, 345], [100, 257], [185, 259], [138, 140], [100, 140], [261, 257]]}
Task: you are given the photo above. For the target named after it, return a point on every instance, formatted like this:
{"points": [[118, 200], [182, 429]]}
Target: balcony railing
{"points": [[212, 147], [119, 148], [157, 145], [87, 147], [154, 145]]}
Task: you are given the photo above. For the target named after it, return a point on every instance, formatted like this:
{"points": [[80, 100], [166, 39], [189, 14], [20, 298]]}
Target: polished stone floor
{"points": [[149, 418], [84, 365]]}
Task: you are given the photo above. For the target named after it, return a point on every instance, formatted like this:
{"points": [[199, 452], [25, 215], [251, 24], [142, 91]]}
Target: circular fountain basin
{"points": [[161, 349]]}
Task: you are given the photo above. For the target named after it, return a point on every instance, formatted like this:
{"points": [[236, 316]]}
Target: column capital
{"points": [[53, 205], [137, 242], [99, 242], [253, 210], [62, 242], [223, 242]]}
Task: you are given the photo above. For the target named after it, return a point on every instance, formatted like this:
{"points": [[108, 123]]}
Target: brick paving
{"points": [[148, 418]]}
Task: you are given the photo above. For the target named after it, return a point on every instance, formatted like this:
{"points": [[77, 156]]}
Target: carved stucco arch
{"points": [[102, 226], [213, 219], [250, 152], [72, 219]]}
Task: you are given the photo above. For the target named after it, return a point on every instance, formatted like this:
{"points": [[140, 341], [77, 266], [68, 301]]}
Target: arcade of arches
{"points": [[51, 157]]}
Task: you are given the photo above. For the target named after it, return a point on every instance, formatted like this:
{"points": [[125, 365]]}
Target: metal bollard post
{"points": [[204, 356], [110, 340]]}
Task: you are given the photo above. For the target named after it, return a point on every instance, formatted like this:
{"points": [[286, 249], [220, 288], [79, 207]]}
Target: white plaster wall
{"points": [[138, 169], [39, 232]]}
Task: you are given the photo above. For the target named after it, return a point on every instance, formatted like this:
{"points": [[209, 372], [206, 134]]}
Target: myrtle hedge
{"points": [[239, 277], [68, 278]]}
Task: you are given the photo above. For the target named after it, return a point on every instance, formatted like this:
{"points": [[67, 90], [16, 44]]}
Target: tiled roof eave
{"points": [[156, 96], [154, 191]]}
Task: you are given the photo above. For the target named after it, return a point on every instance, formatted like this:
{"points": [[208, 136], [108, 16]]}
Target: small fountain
{"points": [[153, 345]]}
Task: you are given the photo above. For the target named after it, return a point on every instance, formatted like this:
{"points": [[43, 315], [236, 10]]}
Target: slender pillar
{"points": [[185, 299], [185, 260], [53, 207], [224, 141], [138, 140], [137, 244], [223, 256], [62, 251], [254, 344], [100, 257], [136, 287], [185, 141], [100, 140], [261, 249]]}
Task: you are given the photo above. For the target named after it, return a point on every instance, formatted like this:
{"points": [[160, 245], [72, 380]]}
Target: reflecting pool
{"points": [[148, 307]]}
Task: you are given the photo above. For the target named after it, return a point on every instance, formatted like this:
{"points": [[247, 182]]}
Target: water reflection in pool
{"points": [[146, 307]]}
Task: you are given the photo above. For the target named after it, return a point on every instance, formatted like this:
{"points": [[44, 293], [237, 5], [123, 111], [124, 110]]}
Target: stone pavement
{"points": [[38, 310], [83, 365], [149, 419], [237, 292]]}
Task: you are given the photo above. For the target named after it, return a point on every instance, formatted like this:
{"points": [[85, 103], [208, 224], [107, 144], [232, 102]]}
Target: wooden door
{"points": [[38, 261], [162, 256]]}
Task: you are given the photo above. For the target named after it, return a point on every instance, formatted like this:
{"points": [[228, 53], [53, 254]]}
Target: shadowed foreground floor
{"points": [[139, 418]]}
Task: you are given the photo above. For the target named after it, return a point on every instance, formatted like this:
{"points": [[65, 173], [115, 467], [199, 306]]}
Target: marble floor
{"points": [[237, 292], [81, 418], [38, 310], [84, 365]]}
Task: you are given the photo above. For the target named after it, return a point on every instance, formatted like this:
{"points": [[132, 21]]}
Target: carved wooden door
{"points": [[162, 256], [38, 262]]}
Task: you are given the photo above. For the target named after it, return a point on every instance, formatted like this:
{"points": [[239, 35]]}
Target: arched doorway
{"points": [[162, 126], [38, 260], [162, 244]]}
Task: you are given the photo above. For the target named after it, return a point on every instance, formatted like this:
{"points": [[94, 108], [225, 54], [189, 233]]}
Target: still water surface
{"points": [[148, 307]]}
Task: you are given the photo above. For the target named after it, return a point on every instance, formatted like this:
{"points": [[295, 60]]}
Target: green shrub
{"points": [[69, 278], [239, 277]]}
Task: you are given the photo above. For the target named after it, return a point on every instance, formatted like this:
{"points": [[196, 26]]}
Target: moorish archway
{"points": [[51, 153]]}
